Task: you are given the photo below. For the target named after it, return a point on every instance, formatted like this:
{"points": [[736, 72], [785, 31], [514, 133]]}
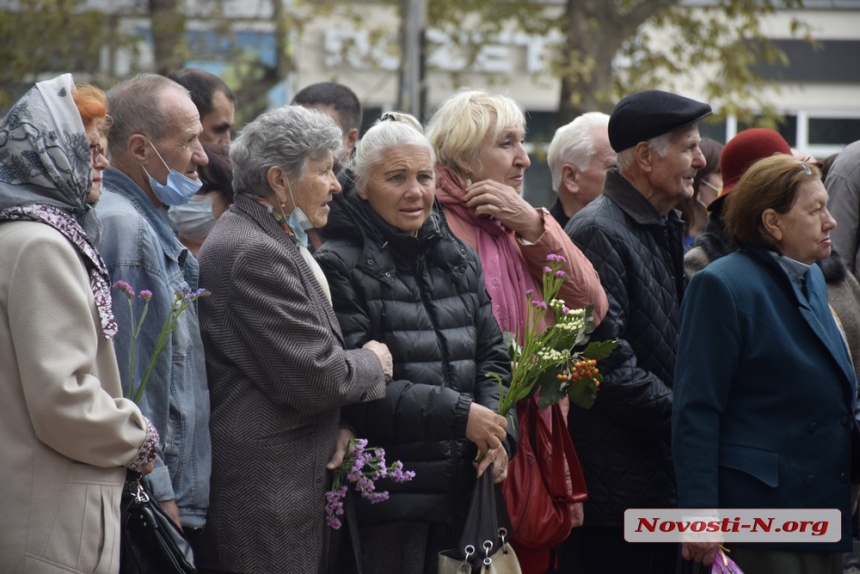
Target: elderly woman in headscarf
{"points": [[278, 366], [66, 434], [399, 275]]}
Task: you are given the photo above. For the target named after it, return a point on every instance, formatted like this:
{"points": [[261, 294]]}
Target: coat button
{"points": [[810, 480], [845, 420], [843, 477], [387, 274], [813, 427]]}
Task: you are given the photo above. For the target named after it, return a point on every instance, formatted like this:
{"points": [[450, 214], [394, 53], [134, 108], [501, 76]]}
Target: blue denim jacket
{"points": [[139, 247]]}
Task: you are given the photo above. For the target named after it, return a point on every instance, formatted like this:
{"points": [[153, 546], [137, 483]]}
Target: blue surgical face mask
{"points": [[297, 220], [179, 188], [193, 220]]}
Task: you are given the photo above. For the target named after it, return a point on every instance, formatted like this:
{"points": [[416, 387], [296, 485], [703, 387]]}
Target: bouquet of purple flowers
{"points": [[361, 467]]}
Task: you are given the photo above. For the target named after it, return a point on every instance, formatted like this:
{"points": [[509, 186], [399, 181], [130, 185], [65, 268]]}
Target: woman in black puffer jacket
{"points": [[398, 275]]}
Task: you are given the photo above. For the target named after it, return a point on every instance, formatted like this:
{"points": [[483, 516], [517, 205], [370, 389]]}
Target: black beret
{"points": [[645, 115]]}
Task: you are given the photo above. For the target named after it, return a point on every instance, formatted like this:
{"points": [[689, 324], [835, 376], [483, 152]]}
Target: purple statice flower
{"points": [[559, 274], [145, 294], [397, 474], [357, 470], [376, 497], [379, 455], [565, 310], [193, 296], [361, 468], [552, 257], [333, 522], [536, 303], [334, 507], [560, 259], [359, 445], [365, 486], [530, 292], [125, 288], [547, 269]]}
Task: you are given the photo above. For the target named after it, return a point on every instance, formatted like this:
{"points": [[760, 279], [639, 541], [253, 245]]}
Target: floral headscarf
{"points": [[46, 176]]}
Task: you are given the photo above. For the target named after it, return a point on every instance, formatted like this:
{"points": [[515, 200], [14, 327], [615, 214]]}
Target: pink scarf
{"points": [[505, 276]]}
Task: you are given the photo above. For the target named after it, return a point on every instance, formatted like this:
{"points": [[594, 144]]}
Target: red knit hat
{"points": [[745, 149]]}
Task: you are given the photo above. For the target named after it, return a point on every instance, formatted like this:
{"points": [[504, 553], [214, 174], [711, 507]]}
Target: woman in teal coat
{"points": [[764, 385]]}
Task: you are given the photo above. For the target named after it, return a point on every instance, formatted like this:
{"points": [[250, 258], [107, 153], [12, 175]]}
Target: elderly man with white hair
{"points": [[578, 157], [634, 238]]}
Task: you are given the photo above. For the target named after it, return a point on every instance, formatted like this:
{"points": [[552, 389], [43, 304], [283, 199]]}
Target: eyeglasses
{"points": [[96, 150]]}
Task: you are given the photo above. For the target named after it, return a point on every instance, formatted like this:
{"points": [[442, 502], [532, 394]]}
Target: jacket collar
{"points": [[119, 183], [813, 307], [631, 202], [261, 217]]}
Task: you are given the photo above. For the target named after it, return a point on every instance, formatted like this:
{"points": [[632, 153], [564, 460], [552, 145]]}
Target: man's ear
{"points": [[137, 148], [644, 156], [352, 138], [570, 176], [770, 220]]}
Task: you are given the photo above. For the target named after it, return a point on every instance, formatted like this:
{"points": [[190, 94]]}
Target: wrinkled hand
{"points": [[499, 457], [384, 356], [148, 468], [170, 509], [489, 197], [341, 444], [703, 552], [485, 428]]}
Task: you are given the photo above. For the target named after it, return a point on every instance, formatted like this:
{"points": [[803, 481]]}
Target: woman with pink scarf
{"points": [[478, 139]]}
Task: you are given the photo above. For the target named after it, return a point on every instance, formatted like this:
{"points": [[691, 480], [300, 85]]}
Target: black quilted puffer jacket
{"points": [[622, 441], [424, 297]]}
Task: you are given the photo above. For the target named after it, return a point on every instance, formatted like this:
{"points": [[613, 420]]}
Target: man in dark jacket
{"points": [[633, 237]]}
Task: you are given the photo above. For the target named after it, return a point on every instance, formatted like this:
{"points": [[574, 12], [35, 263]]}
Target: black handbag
{"points": [[150, 542], [484, 546]]}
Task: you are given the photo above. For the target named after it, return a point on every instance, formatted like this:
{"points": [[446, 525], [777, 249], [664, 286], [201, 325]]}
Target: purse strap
{"points": [[561, 436]]}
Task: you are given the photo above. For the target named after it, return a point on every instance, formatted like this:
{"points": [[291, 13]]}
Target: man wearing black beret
{"points": [[634, 238]]}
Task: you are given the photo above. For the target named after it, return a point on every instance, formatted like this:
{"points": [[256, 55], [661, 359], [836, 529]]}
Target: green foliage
{"points": [[612, 48], [48, 37]]}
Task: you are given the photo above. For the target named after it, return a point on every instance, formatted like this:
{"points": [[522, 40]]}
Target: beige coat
{"points": [[65, 436]]}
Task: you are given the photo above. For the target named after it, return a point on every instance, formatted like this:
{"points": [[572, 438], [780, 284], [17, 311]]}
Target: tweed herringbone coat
{"points": [[278, 375]]}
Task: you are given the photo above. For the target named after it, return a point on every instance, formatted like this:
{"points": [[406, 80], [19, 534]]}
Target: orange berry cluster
{"points": [[581, 370], [584, 369]]}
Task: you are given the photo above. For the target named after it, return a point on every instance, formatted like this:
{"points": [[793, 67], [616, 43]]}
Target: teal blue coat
{"points": [[764, 394]]}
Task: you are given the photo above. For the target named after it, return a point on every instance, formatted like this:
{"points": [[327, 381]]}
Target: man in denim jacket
{"points": [[155, 153]]}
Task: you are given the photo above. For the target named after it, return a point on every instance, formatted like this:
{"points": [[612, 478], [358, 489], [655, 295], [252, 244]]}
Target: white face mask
{"points": [[193, 220], [179, 188]]}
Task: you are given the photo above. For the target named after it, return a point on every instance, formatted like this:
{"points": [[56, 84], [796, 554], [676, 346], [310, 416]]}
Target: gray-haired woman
{"points": [[277, 368], [400, 276]]}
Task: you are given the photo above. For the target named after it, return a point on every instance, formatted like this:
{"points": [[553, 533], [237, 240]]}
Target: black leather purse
{"points": [[150, 542]]}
